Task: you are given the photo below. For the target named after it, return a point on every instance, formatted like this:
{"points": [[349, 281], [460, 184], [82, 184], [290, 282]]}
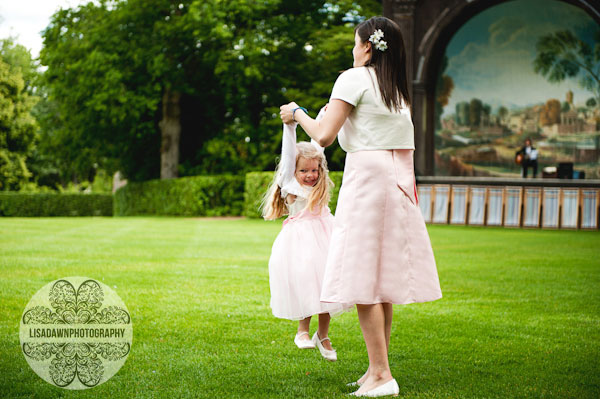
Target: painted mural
{"points": [[521, 69]]}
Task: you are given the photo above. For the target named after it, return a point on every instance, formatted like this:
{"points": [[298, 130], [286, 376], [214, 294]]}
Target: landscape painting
{"points": [[521, 69]]}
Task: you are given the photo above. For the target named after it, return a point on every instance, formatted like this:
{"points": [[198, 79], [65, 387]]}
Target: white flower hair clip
{"points": [[375, 38]]}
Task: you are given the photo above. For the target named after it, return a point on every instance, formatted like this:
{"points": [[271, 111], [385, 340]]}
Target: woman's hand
{"points": [[285, 112]]}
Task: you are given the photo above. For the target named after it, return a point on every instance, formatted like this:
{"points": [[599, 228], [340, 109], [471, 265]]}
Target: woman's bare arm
{"points": [[325, 130]]}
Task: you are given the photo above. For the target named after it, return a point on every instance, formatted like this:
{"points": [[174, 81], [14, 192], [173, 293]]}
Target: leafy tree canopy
{"points": [[563, 55], [234, 62], [17, 125]]}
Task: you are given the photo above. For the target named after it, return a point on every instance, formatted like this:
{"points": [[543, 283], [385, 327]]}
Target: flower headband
{"points": [[375, 38]]}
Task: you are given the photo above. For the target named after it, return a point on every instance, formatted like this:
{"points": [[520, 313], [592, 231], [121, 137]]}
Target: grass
{"points": [[519, 317]]}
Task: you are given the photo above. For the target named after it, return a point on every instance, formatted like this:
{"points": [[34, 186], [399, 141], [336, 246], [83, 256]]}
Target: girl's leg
{"points": [[373, 325], [388, 312], [324, 319], [304, 326]]}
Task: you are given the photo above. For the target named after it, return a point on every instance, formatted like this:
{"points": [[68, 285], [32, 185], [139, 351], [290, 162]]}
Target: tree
{"points": [[591, 102], [475, 109], [19, 59], [462, 113], [562, 55], [277, 52], [207, 73], [40, 164], [486, 111], [502, 113], [17, 128], [104, 100]]}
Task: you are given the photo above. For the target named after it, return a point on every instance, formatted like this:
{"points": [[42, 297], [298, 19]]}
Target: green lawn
{"points": [[519, 317]]}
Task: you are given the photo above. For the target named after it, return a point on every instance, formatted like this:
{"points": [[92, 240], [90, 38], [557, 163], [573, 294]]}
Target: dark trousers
{"points": [[529, 163]]}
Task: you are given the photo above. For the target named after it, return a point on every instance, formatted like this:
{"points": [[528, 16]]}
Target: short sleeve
{"points": [[349, 86]]}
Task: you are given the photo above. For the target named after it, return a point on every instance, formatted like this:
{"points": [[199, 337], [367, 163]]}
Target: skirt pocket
{"points": [[405, 176]]}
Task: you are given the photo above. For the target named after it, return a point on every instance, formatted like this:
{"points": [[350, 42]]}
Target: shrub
{"points": [[255, 187], [258, 182], [55, 204], [187, 196]]}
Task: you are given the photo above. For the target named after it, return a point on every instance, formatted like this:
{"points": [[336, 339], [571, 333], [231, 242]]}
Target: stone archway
{"points": [[427, 27]]}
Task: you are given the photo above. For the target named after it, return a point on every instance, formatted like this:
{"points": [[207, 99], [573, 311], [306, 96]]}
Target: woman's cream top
{"points": [[370, 125]]}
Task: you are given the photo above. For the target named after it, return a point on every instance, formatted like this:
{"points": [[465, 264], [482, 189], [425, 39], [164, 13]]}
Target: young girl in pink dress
{"points": [[301, 189]]}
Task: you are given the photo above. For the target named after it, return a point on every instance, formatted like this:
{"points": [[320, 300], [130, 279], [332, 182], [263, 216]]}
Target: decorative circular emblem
{"points": [[76, 333]]}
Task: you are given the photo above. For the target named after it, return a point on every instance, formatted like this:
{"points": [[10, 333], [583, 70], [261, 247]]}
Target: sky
{"points": [[491, 56], [25, 19]]}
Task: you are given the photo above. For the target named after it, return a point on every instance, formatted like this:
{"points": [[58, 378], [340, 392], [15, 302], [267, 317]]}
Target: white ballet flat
{"points": [[330, 355], [302, 343], [353, 384], [387, 389]]}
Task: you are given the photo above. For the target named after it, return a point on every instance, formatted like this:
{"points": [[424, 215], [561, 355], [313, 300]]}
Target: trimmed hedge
{"points": [[257, 183], [223, 195], [218, 195], [55, 204], [336, 177]]}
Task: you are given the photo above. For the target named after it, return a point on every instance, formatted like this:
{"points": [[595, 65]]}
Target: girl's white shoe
{"points": [[330, 355], [389, 388], [303, 343]]}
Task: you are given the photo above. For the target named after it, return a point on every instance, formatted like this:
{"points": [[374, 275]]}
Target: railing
{"points": [[518, 202]]}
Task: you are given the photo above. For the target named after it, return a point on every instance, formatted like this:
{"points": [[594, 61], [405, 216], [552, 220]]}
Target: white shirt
{"points": [[370, 125], [531, 153]]}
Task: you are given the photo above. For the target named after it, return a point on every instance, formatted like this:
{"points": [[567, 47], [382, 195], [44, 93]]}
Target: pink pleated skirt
{"points": [[380, 250], [297, 266]]}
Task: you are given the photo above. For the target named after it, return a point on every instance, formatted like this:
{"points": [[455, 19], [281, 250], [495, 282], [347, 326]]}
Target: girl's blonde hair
{"points": [[273, 205]]}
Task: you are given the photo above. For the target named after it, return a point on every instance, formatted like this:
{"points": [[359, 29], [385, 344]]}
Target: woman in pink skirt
{"points": [[380, 252]]}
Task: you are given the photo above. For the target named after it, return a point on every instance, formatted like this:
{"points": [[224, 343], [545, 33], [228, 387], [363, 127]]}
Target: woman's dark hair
{"points": [[389, 65]]}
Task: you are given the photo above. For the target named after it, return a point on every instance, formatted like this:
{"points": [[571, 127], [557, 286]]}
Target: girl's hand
{"points": [[286, 113]]}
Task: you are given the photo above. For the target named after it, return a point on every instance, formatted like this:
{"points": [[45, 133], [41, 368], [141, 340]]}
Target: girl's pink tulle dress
{"points": [[299, 253]]}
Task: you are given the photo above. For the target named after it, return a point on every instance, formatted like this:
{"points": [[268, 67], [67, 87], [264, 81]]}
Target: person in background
{"points": [[529, 156]]}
